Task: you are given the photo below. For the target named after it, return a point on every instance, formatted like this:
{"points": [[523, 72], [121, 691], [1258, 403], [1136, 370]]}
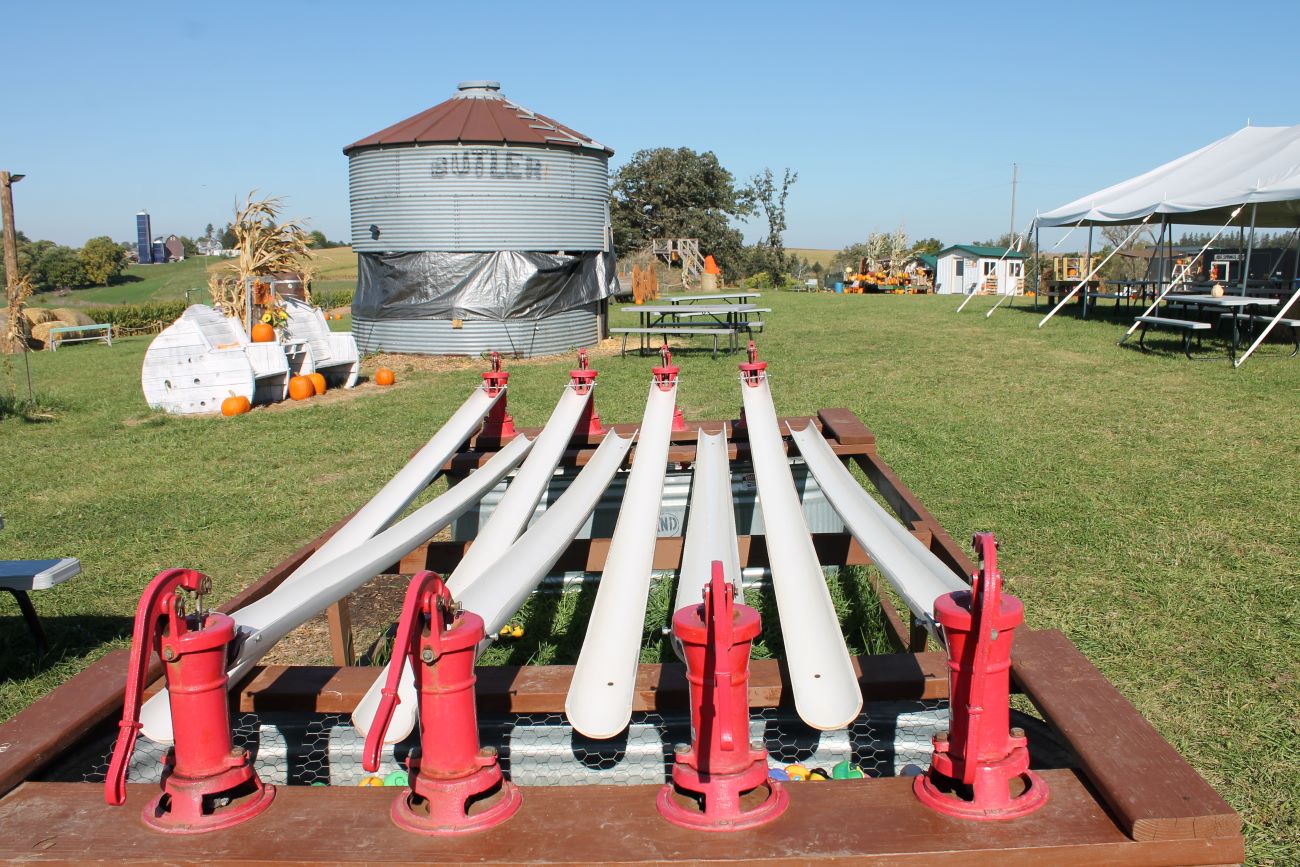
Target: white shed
{"points": [[966, 268]]}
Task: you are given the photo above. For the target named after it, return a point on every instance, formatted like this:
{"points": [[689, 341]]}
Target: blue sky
{"points": [[906, 113]]}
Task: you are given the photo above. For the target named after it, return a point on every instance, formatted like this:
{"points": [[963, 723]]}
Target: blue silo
{"points": [[144, 238]]}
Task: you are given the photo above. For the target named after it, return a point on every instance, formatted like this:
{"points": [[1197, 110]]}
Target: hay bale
{"points": [[41, 333], [9, 347], [68, 316], [37, 315]]}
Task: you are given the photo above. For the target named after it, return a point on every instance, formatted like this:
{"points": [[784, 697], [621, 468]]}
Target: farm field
{"points": [[336, 269], [1143, 503], [813, 255]]}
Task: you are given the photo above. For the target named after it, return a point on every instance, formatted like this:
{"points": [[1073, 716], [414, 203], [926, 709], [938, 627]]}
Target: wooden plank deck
{"points": [[844, 822]]}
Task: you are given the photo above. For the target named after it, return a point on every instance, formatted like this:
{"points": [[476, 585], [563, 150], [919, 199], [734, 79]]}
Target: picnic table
{"points": [[1234, 304], [663, 319], [79, 333], [724, 297], [21, 576]]}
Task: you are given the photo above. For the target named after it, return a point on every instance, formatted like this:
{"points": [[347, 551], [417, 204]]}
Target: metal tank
{"points": [[480, 174]]}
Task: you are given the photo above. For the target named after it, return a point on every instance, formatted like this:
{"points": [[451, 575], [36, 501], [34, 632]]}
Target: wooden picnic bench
{"points": [[730, 333], [100, 331]]}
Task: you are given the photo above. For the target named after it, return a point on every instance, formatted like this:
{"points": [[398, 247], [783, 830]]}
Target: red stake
{"points": [[451, 772], [499, 425], [978, 761], [202, 768], [664, 377], [720, 768], [583, 380]]}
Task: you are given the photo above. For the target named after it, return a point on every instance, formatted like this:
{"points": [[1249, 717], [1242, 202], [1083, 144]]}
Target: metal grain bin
{"points": [[526, 338], [478, 174], [459, 197]]}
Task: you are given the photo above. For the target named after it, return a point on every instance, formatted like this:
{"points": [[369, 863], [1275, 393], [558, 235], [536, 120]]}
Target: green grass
{"points": [[1145, 504], [336, 269]]}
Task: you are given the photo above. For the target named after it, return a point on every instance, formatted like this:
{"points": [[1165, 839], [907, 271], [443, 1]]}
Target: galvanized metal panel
{"points": [[453, 197], [818, 513], [523, 337]]}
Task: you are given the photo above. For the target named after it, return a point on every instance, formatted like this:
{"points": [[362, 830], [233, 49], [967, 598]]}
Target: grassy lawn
{"points": [[336, 269], [1145, 504]]}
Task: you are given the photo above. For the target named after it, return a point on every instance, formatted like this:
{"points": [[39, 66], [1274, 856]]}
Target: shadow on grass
{"points": [[68, 637]]}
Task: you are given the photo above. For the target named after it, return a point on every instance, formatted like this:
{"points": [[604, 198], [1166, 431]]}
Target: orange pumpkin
{"points": [[263, 333], [300, 388], [384, 376], [317, 382], [235, 405]]}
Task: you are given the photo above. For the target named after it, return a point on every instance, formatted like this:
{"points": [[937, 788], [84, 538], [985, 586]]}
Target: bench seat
{"points": [[1187, 326], [21, 576], [715, 333]]}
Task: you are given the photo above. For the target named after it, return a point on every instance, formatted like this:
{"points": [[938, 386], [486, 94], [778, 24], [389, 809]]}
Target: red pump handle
{"points": [[582, 360], [426, 596], [157, 603], [496, 361], [985, 603], [719, 615]]}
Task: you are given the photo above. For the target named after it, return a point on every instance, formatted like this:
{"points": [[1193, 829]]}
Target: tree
{"points": [[678, 193], [228, 238], [188, 246], [58, 267], [208, 232], [927, 246], [103, 260], [771, 200], [316, 240]]}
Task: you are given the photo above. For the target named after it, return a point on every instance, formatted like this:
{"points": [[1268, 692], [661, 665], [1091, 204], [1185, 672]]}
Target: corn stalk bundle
{"points": [[264, 246]]}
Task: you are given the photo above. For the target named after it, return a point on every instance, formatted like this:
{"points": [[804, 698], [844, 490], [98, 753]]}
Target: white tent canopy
{"points": [[1257, 165]]}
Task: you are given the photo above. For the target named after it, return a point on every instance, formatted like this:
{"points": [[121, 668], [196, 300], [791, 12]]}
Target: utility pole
{"points": [[7, 181], [1014, 172]]}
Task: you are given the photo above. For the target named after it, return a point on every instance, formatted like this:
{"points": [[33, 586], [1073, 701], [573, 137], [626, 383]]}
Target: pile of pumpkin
{"points": [[300, 388]]}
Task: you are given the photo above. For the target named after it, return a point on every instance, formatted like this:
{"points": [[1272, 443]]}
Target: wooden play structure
{"points": [[610, 759]]}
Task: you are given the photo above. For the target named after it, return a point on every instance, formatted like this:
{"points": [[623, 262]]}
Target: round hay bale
{"points": [[68, 316], [41, 333], [37, 315]]}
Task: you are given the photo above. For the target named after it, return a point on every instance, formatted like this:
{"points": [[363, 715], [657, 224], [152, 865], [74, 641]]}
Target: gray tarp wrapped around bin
{"points": [[500, 285]]}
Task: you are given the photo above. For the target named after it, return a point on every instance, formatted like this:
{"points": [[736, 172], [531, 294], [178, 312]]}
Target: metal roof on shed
{"points": [[984, 252], [479, 114]]}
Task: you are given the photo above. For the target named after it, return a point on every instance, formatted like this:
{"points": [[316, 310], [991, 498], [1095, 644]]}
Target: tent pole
{"points": [[1182, 275], [1083, 313], [1281, 313], [1093, 272], [1038, 267], [1250, 248]]}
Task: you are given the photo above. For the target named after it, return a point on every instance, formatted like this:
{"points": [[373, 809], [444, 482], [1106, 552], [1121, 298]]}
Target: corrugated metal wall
{"points": [[527, 337], [456, 198]]}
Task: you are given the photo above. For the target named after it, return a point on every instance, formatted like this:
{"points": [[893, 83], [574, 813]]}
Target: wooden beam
{"points": [[875, 821], [543, 688], [1152, 792], [340, 622]]}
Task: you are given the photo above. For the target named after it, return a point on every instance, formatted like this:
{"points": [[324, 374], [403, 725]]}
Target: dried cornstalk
{"points": [[264, 246], [17, 328]]}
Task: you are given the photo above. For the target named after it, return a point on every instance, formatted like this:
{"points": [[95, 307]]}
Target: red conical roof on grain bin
{"points": [[479, 114]]}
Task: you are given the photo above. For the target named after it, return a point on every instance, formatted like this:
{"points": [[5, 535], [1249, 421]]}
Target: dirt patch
{"points": [[441, 363], [374, 609]]}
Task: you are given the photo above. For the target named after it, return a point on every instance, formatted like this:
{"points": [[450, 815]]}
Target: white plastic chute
{"points": [[504, 586], [825, 686], [519, 502], [710, 524], [406, 485], [911, 569], [601, 693], [264, 622]]}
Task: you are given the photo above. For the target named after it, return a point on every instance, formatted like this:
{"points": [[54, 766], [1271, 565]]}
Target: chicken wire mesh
{"points": [[888, 739]]}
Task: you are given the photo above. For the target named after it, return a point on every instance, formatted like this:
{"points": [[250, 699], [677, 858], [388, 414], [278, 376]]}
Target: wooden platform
{"points": [[846, 822], [1131, 800]]}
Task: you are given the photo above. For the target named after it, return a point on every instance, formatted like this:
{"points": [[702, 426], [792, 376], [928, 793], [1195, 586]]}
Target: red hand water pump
{"points": [[456, 787], [207, 784]]}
